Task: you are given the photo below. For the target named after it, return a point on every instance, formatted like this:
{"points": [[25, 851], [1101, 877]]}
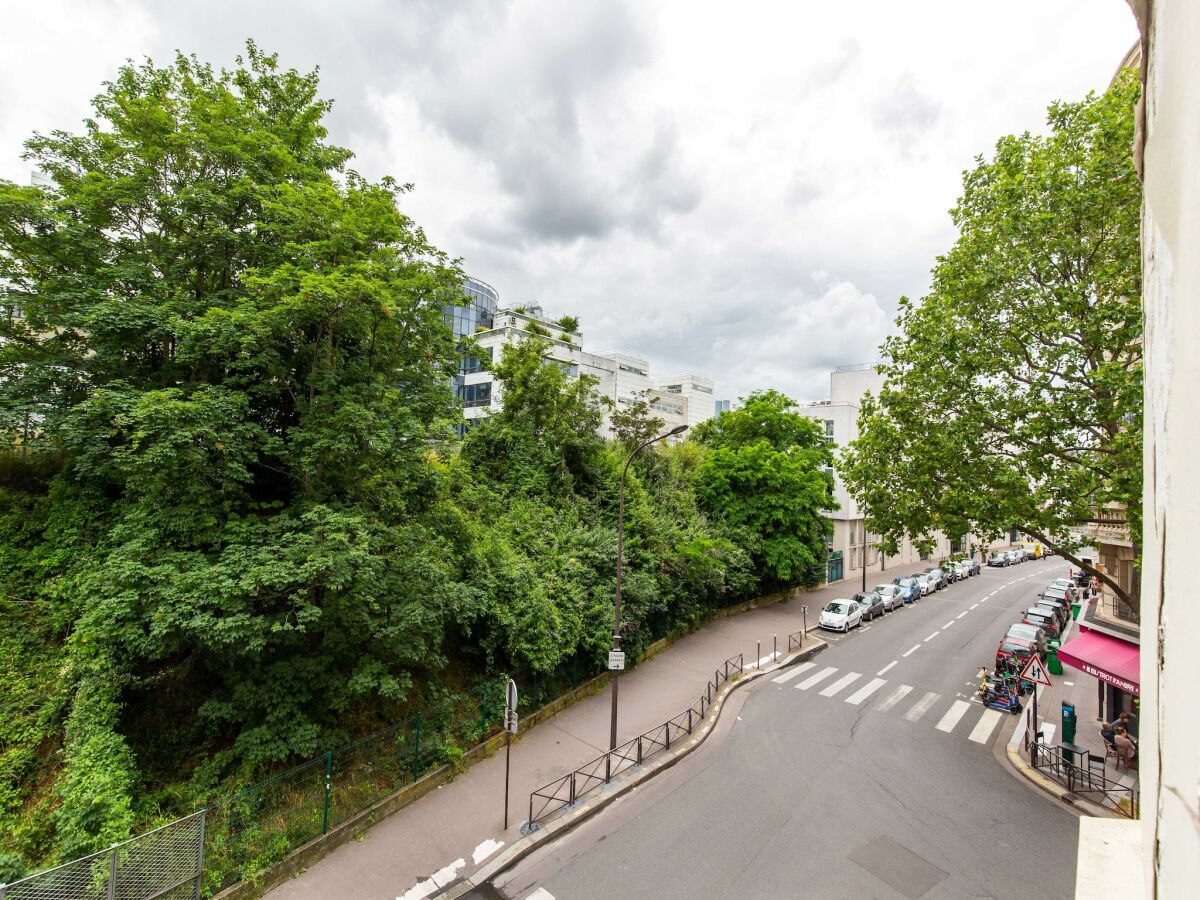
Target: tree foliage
{"points": [[1013, 392]]}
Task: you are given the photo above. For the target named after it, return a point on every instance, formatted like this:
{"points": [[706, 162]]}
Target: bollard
{"points": [[758, 654], [774, 648]]}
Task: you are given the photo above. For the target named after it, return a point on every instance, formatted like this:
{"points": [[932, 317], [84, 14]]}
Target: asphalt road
{"points": [[872, 773]]}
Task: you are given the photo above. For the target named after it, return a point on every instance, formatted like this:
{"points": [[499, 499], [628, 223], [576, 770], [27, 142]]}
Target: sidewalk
{"points": [[1078, 689], [453, 830]]}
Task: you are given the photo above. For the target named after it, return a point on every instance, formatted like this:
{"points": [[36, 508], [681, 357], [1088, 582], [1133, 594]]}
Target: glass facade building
{"points": [[473, 312]]}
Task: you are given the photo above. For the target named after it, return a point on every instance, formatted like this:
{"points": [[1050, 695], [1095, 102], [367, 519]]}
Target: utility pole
{"points": [[616, 659]]}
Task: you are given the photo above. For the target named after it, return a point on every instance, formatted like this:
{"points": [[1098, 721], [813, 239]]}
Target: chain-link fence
{"points": [[163, 863]]}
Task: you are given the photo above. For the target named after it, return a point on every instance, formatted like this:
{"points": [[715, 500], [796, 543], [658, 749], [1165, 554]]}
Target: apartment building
{"points": [[851, 546]]}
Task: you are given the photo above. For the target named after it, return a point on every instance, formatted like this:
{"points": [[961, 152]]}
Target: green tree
{"points": [[1013, 394], [237, 342], [765, 474], [635, 423]]}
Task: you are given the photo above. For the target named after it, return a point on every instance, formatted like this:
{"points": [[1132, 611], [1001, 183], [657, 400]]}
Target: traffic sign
{"points": [[1034, 671], [510, 721], [510, 695], [616, 659]]}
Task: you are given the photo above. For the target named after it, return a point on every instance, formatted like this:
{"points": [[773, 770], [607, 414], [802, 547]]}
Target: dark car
{"points": [[872, 605], [999, 560], [1044, 618], [974, 564], [1016, 651], [910, 588], [938, 577], [1061, 609]]}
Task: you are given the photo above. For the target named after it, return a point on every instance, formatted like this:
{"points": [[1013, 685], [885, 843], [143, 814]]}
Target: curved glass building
{"points": [[477, 311]]}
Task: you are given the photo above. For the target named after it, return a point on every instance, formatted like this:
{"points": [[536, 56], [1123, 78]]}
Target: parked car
{"points": [[1014, 557], [938, 577], [999, 560], [1061, 610], [1016, 650], [892, 599], [871, 604], [1067, 585], [1034, 633], [976, 568], [840, 615], [1044, 618], [926, 583], [1064, 595], [962, 570], [910, 588]]}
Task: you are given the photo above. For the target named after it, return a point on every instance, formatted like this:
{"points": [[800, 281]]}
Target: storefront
{"points": [[1110, 656]]}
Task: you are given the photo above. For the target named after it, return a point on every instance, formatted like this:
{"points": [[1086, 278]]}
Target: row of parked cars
{"points": [[1043, 622], [842, 615], [1001, 558]]}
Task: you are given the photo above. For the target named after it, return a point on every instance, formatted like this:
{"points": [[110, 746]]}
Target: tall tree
{"points": [[238, 344], [1013, 394], [766, 474]]}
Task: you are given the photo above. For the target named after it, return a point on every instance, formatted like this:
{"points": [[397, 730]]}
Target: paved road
{"points": [[869, 773]]}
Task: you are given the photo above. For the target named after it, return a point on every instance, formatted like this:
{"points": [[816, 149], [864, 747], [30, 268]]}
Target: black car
{"points": [[999, 560], [974, 564], [872, 605]]}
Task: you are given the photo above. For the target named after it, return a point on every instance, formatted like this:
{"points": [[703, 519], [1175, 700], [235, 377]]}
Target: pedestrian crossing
{"points": [[833, 683]]}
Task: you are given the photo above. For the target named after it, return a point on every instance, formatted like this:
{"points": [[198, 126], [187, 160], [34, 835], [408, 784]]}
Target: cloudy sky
{"points": [[742, 190]]}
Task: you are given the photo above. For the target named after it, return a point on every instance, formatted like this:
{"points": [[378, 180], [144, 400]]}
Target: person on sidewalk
{"points": [[1126, 748], [1108, 732]]}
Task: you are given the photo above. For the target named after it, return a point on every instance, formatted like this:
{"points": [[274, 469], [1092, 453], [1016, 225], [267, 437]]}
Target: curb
{"points": [[1046, 785], [560, 826]]}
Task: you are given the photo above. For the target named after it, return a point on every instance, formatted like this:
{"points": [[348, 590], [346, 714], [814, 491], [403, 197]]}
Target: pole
{"points": [[758, 654], [804, 623], [507, 758], [1033, 746], [864, 556], [616, 644], [774, 647]]}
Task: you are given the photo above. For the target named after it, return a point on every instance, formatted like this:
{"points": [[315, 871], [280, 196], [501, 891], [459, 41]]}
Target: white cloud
{"points": [[672, 172]]}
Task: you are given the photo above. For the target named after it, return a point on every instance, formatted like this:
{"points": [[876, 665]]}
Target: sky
{"points": [[738, 190]]}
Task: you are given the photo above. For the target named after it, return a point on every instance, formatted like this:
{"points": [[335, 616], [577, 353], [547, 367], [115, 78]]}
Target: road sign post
{"points": [[1035, 673], [510, 728], [616, 660]]}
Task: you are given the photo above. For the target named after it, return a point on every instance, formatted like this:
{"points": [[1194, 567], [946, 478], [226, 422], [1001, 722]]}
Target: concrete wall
{"points": [[1170, 726]]}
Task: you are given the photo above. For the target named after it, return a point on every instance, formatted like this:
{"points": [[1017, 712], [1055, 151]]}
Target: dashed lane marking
{"points": [[888, 666], [973, 605], [893, 698], [961, 614], [866, 691], [913, 649], [932, 636], [816, 679], [950, 719], [922, 706], [793, 672], [948, 624], [844, 681], [983, 728]]}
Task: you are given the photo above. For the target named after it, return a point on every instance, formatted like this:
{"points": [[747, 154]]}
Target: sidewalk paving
{"points": [[456, 828]]}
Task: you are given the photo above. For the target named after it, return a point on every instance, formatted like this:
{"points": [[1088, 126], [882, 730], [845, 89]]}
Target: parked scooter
{"points": [[998, 693]]}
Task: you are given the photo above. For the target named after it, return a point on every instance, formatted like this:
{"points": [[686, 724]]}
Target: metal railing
{"points": [[164, 863], [569, 789], [1084, 780]]}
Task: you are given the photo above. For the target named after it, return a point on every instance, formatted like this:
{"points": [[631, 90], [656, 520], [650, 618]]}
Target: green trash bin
{"points": [[1053, 663], [1068, 729], [1075, 607]]}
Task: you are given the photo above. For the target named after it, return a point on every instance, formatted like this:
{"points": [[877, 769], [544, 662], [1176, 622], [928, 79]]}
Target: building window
{"points": [[674, 389], [666, 406], [471, 395], [829, 430], [625, 368], [701, 388]]}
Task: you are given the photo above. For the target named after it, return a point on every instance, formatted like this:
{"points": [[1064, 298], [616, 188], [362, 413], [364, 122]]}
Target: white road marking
{"points": [[973, 605], [932, 636], [893, 698], [793, 672], [950, 719], [816, 679], [984, 599], [540, 894], [1069, 683], [1048, 729], [486, 849], [983, 728], [842, 682], [764, 661], [912, 649], [922, 706], [961, 614], [866, 691], [865, 628], [948, 624], [888, 666], [434, 882]]}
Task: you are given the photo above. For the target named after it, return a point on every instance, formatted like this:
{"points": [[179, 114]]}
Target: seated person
{"points": [[1108, 731], [1126, 748]]}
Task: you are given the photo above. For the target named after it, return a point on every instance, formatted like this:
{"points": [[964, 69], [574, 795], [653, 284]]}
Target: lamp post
{"points": [[616, 645]]}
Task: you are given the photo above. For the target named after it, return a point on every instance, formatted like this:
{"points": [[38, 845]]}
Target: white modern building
{"points": [[622, 378]]}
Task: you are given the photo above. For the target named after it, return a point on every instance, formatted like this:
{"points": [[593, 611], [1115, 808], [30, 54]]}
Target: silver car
{"points": [[892, 599], [926, 584]]}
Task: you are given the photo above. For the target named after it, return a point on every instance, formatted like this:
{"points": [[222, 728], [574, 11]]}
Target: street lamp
{"points": [[616, 645]]}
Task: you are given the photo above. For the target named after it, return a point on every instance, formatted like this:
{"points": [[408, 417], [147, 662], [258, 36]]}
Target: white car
{"points": [[1065, 584], [892, 599], [840, 615], [926, 584], [1014, 557], [963, 570]]}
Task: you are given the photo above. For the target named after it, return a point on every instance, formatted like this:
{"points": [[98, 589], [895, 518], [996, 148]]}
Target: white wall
{"points": [[1170, 725]]}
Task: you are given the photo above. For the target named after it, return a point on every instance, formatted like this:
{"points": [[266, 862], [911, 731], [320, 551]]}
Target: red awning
{"points": [[1107, 658]]}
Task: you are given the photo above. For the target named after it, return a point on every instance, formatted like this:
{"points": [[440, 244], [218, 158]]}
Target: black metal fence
{"points": [[1085, 780], [163, 863], [549, 799]]}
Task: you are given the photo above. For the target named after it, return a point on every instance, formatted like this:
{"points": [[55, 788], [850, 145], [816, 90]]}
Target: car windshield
{"points": [[906, 582], [885, 588], [1016, 649], [836, 608]]}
